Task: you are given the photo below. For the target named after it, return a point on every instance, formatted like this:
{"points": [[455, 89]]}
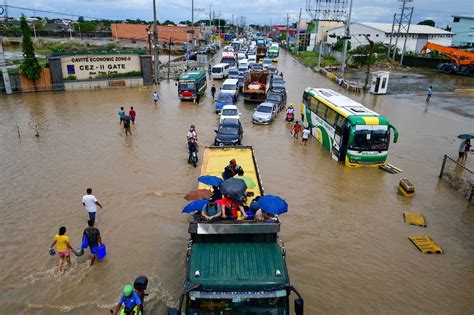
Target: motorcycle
{"points": [[290, 116], [140, 285], [193, 158]]}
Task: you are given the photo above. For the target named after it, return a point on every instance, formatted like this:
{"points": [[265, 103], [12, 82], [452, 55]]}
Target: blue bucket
{"points": [[101, 251]]}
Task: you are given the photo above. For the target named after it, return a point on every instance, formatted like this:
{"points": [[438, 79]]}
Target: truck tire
{"points": [[470, 72], [448, 69]]}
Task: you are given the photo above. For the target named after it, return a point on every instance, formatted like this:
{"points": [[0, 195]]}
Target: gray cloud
{"points": [[255, 11]]}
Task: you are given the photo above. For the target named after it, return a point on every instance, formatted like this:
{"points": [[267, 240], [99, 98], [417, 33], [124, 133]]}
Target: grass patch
{"points": [[310, 59], [120, 75]]}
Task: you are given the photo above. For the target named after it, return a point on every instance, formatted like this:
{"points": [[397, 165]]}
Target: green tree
{"points": [[80, 19], [340, 44], [187, 23], [168, 22], [29, 66], [427, 22], [85, 27]]}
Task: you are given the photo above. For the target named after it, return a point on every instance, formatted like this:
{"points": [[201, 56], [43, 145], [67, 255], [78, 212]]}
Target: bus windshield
{"points": [[264, 306], [370, 138], [186, 86]]}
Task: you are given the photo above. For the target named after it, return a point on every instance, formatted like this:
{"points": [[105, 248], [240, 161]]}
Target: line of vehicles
{"points": [[352, 133], [239, 267]]}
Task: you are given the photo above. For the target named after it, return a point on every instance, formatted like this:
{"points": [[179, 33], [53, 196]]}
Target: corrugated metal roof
{"points": [[414, 29], [387, 28], [237, 266]]}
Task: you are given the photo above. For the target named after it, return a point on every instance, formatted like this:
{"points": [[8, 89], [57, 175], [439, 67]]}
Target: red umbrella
{"points": [[198, 194]]}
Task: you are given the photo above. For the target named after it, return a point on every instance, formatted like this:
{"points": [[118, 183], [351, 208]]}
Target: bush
{"points": [[70, 77], [120, 75]]}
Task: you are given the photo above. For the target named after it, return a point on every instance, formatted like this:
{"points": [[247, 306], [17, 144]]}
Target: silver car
{"points": [[265, 113]]}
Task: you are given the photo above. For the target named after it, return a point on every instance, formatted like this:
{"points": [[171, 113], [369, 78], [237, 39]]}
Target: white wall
{"points": [[379, 36]]}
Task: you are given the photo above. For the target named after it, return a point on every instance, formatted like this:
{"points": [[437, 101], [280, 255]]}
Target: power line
{"points": [[52, 12]]}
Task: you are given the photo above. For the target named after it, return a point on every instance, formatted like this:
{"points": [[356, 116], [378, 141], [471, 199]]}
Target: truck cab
{"points": [[237, 268]]}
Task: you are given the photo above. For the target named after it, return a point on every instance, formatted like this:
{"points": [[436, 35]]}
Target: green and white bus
{"points": [[273, 52], [352, 132], [191, 84]]}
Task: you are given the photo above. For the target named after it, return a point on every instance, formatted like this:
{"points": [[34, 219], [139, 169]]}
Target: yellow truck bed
{"points": [[215, 159]]}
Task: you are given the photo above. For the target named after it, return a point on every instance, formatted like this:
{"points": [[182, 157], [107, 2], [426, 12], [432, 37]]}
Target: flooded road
{"points": [[347, 245]]}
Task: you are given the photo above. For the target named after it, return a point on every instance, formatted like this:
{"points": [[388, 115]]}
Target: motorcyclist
{"points": [[290, 113], [192, 134], [130, 301], [192, 147]]}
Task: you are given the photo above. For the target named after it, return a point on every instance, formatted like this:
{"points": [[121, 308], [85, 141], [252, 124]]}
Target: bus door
{"points": [[341, 141]]}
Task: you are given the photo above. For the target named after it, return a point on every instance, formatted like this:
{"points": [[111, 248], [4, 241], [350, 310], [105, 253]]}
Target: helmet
{"points": [[127, 290], [291, 104]]}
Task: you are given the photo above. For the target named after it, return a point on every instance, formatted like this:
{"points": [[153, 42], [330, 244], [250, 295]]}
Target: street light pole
{"points": [[155, 45], [346, 38]]}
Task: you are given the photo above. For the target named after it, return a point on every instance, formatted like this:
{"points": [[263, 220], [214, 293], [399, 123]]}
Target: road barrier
{"points": [[458, 176]]}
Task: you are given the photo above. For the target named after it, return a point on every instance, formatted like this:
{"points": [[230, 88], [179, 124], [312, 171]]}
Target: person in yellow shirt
{"points": [[61, 240], [302, 112]]}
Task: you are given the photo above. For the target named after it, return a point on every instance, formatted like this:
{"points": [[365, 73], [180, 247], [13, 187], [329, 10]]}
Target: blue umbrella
{"points": [[273, 204], [210, 180], [195, 205]]}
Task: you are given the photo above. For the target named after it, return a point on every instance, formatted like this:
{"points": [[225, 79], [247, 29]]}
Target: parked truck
{"points": [[462, 61], [256, 85], [236, 267]]}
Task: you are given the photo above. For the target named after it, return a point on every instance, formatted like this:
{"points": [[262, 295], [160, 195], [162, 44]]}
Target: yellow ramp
{"points": [[414, 218], [215, 159], [426, 245]]}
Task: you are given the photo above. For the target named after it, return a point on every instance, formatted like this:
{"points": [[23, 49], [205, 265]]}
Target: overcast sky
{"points": [[255, 11]]}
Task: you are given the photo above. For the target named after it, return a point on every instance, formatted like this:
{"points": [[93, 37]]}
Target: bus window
{"points": [[338, 123], [186, 86], [362, 138], [380, 138], [321, 112], [313, 105], [306, 98], [331, 116]]}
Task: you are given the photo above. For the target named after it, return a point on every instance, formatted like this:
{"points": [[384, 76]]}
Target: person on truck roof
{"points": [[232, 169], [211, 210], [231, 209]]}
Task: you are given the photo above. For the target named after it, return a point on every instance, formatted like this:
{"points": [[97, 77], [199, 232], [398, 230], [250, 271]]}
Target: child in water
{"points": [[61, 240]]}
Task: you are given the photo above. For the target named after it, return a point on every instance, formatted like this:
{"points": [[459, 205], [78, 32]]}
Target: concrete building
{"points": [[139, 32], [418, 35], [463, 29]]}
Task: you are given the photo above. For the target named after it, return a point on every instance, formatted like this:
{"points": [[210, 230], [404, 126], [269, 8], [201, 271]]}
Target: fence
{"points": [[458, 176]]}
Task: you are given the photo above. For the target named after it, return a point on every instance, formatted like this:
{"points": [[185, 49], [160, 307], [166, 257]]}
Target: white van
{"points": [[231, 86], [241, 55], [243, 65], [220, 71], [252, 59]]}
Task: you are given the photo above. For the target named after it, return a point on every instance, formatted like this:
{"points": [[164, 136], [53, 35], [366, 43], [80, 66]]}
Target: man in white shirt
{"points": [[306, 133], [90, 202]]}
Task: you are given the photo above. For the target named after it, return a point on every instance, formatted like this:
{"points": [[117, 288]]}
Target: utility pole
{"points": [[406, 36], [347, 36], [298, 33], [6, 77], [320, 52], [287, 31], [155, 45], [169, 58], [391, 34], [192, 23]]}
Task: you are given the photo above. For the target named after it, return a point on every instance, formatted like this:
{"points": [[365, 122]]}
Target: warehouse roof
{"points": [[414, 29]]}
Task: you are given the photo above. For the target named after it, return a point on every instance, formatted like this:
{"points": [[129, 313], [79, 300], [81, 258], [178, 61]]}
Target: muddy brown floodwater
{"points": [[347, 245]]}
